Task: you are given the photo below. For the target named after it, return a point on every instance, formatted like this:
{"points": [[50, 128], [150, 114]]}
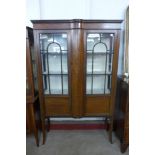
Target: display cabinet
{"points": [[32, 98], [77, 67]]}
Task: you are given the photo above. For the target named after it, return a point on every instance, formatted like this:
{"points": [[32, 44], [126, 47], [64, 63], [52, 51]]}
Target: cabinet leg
{"points": [[110, 130], [106, 123], [48, 122], [124, 147], [43, 130], [34, 126]]}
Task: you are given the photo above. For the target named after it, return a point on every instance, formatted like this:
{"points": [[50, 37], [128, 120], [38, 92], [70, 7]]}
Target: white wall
{"points": [[64, 9], [107, 9], [32, 11], [71, 9]]}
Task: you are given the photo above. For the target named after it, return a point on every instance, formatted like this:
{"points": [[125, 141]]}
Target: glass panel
{"points": [[89, 84], [92, 39], [108, 84], [61, 39], [109, 63], [108, 39], [53, 48], [45, 39], [100, 48], [45, 84], [65, 84], [98, 84], [44, 63], [89, 64], [54, 64], [55, 84], [99, 64], [64, 64], [54, 61]]}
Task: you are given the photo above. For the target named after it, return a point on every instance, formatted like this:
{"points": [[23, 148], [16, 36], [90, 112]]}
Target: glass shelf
{"points": [[55, 73], [64, 52], [99, 53], [56, 92], [99, 73], [98, 91]]}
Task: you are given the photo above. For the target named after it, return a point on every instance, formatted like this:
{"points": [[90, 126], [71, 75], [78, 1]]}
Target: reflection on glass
{"points": [[92, 39], [44, 63], [109, 64], [108, 84], [61, 39], [108, 39], [45, 39]]}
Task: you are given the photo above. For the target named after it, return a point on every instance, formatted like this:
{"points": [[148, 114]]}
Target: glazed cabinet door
{"points": [[99, 58], [54, 49]]}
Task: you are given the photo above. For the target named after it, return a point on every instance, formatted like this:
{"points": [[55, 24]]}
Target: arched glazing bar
{"points": [[51, 43], [100, 42]]}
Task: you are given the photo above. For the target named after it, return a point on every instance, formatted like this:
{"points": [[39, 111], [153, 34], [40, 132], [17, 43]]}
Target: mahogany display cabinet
{"points": [[32, 97], [77, 67]]}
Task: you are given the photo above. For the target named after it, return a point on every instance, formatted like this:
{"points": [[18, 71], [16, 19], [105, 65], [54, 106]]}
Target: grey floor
{"points": [[75, 142]]}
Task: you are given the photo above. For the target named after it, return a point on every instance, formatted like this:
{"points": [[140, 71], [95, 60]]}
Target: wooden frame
{"points": [[81, 104], [32, 99]]}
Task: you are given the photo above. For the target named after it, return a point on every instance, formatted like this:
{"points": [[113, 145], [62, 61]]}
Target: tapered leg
{"points": [[124, 147], [34, 126], [110, 130], [48, 122], [43, 130], [106, 123]]}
